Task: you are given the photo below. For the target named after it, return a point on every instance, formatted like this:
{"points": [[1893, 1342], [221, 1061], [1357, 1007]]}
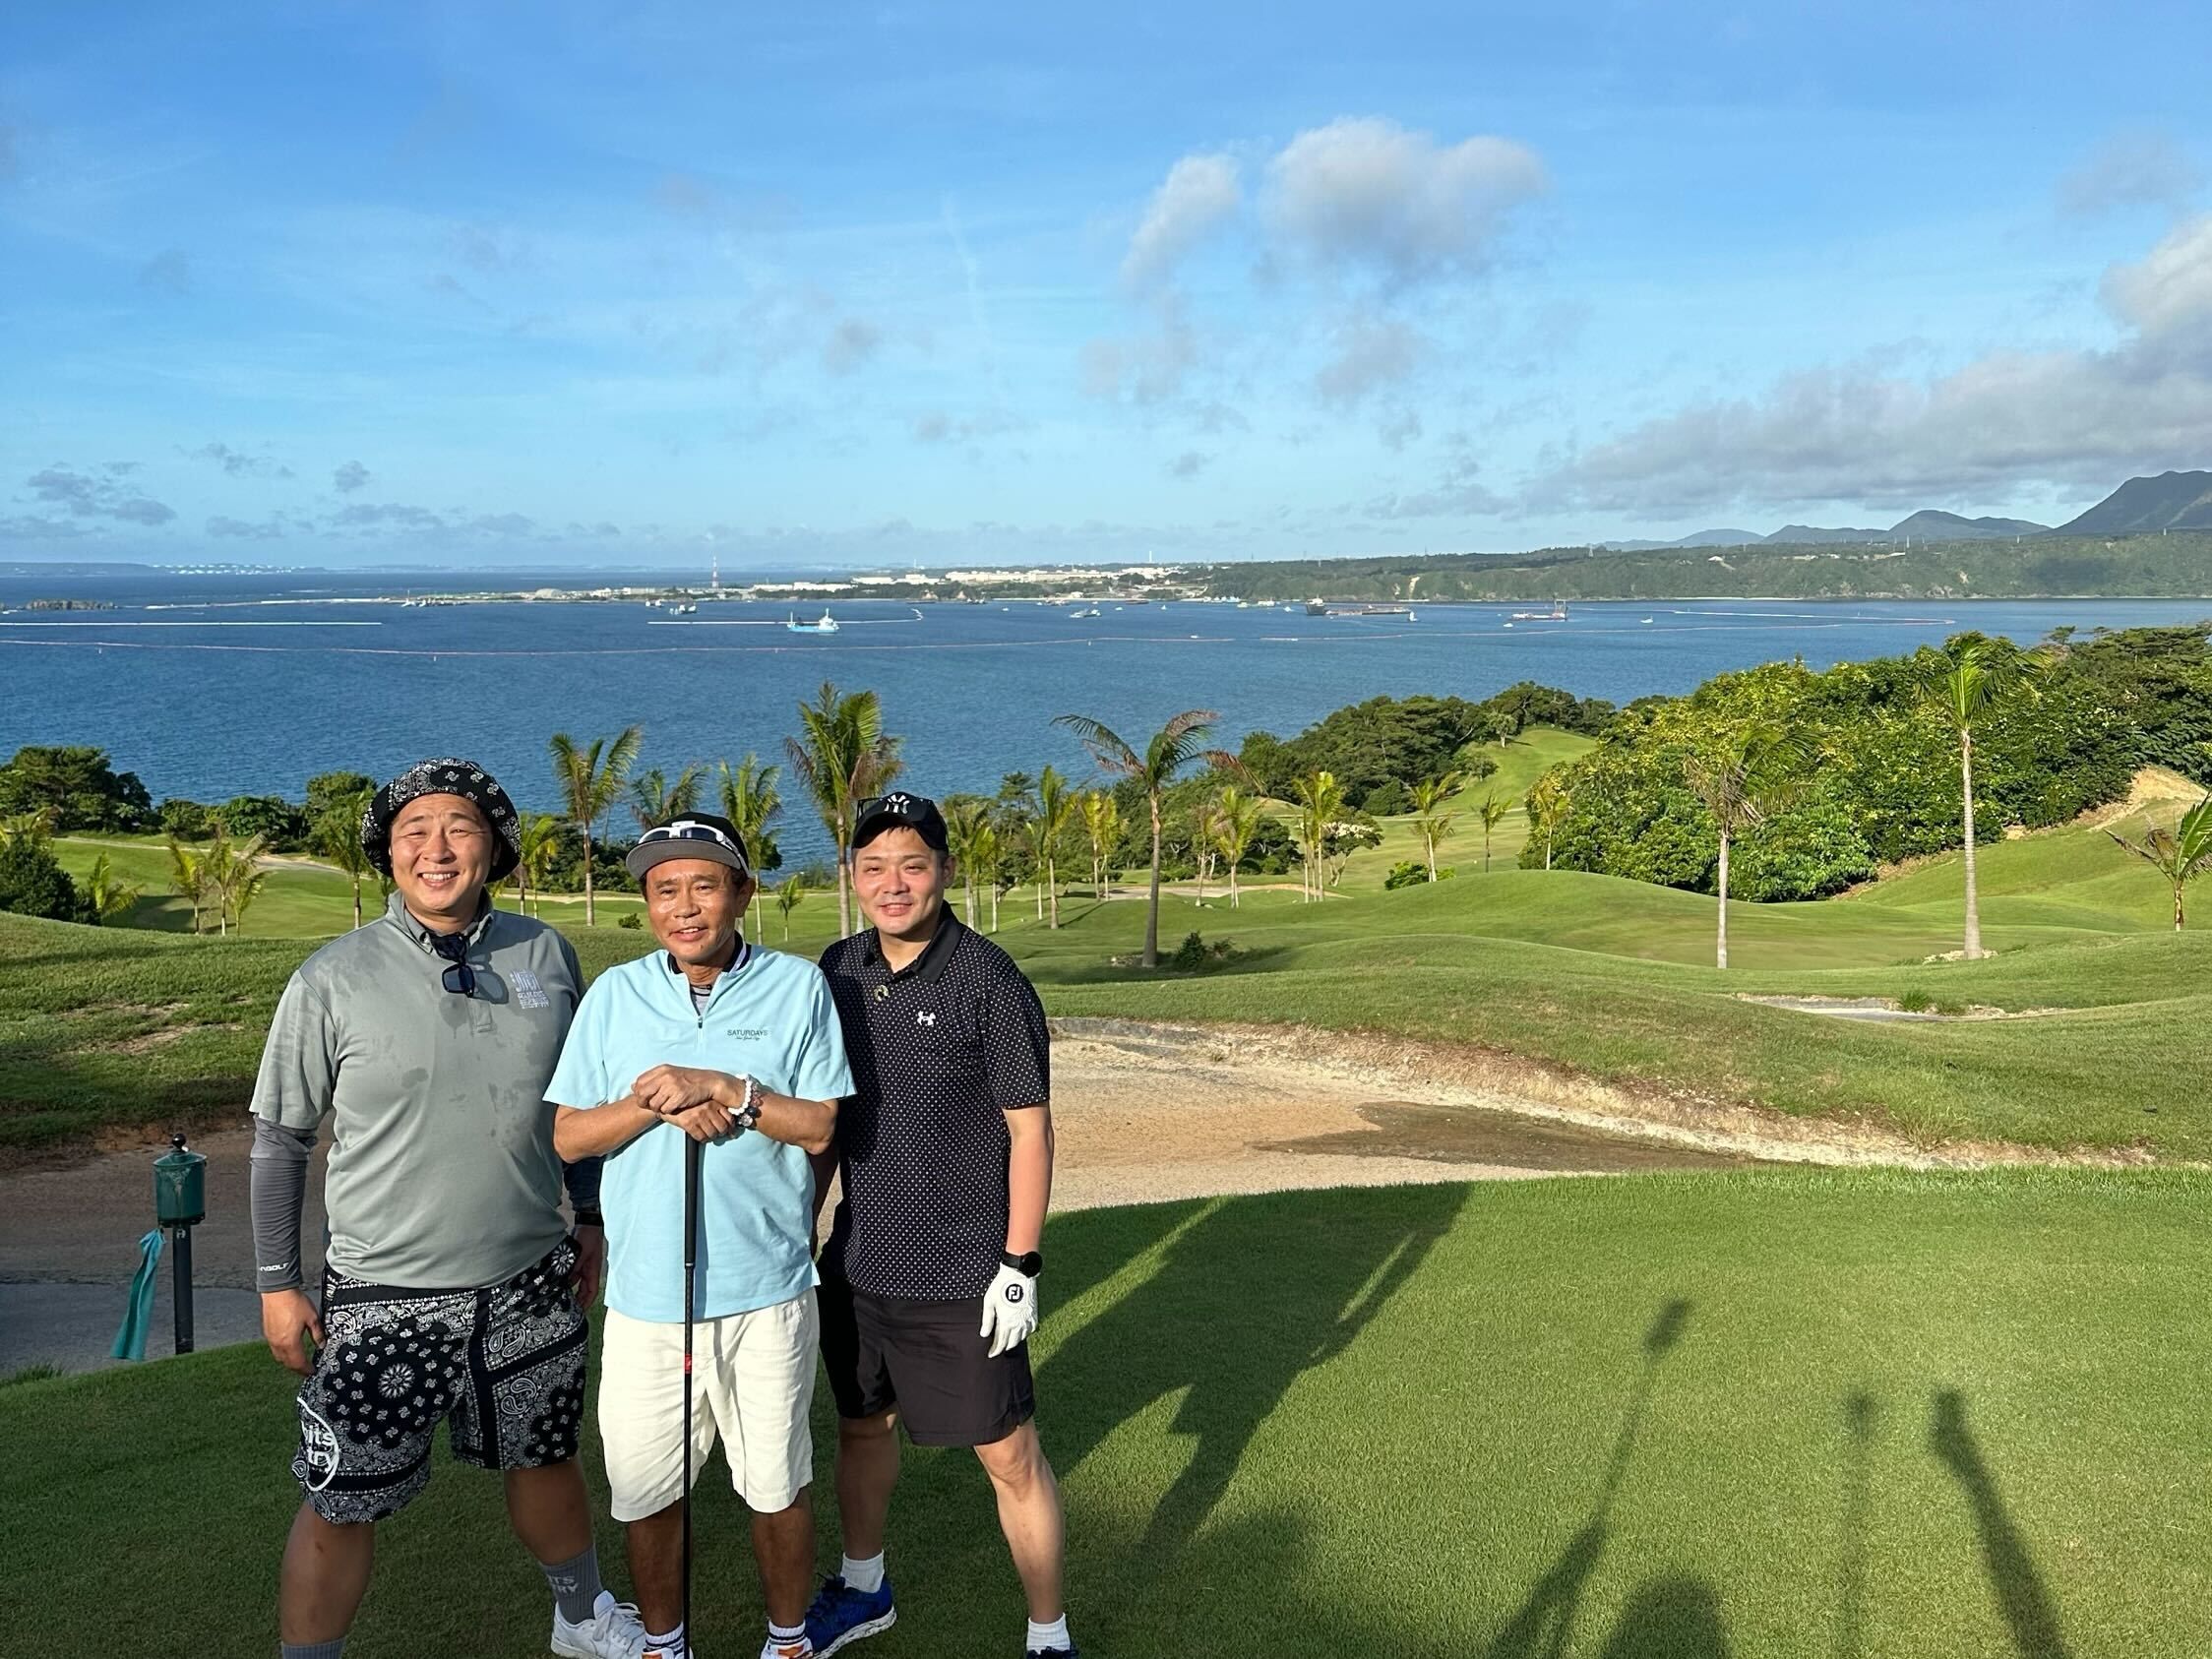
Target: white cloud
{"points": [[1369, 352], [2065, 417], [2129, 170], [1368, 194], [1201, 193]]}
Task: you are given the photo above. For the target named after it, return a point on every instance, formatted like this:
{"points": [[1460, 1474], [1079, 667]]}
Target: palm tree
{"points": [[986, 849], [1203, 848], [1429, 816], [234, 877], [749, 800], [2181, 854], [188, 878], [1056, 810], [1547, 803], [788, 893], [967, 820], [1492, 813], [1320, 803], [540, 846], [1236, 819], [1102, 827], [842, 755], [338, 837], [653, 800], [590, 779], [111, 897], [35, 828], [1172, 747], [1741, 778], [1964, 682]]}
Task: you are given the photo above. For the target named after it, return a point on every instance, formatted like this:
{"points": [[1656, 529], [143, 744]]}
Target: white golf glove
{"points": [[1010, 1310]]}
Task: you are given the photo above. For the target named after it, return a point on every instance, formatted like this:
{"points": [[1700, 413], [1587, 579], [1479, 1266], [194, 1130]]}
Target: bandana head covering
{"points": [[447, 776]]}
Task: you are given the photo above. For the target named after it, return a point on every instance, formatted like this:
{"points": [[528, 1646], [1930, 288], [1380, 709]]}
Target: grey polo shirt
{"points": [[442, 1172]]}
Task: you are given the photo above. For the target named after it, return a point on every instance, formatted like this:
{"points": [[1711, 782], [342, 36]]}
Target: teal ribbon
{"points": [[138, 1314]]}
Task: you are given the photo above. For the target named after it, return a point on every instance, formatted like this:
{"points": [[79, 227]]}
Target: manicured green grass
{"points": [[1773, 1413]]}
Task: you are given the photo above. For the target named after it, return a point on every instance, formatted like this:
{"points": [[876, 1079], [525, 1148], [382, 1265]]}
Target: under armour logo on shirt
{"points": [[923, 1016]]}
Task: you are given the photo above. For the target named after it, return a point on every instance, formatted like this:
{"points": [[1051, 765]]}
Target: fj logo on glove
{"points": [[1014, 1293]]}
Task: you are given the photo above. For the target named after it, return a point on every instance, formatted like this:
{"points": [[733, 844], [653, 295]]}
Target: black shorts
{"points": [[503, 1365], [925, 1360]]}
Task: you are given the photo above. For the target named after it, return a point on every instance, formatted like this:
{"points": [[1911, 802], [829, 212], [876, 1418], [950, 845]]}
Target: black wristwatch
{"points": [[1029, 1264]]}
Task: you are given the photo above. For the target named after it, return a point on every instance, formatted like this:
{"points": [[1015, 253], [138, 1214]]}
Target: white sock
{"points": [[866, 1576], [1043, 1639], [785, 1643], [669, 1646]]}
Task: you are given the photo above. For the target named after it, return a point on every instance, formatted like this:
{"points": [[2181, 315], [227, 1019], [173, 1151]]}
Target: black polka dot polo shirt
{"points": [[940, 1051]]}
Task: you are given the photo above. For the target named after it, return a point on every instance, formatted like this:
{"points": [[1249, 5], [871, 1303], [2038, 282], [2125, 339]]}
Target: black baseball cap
{"points": [[696, 834], [899, 810]]}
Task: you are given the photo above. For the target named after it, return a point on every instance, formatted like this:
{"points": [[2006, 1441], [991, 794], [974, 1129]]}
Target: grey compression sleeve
{"points": [[278, 1188]]}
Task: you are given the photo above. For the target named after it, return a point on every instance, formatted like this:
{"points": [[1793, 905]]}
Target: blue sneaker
{"points": [[841, 1615]]}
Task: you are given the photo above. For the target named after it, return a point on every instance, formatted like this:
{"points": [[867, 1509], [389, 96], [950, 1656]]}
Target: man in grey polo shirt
{"points": [[452, 1289]]}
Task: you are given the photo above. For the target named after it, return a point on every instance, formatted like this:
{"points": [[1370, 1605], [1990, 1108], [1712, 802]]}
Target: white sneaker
{"points": [[611, 1632]]}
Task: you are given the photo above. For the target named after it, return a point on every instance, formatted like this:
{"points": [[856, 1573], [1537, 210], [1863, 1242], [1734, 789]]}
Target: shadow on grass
{"points": [[1672, 1617], [1233, 1358], [1859, 1414], [1544, 1625], [2029, 1614]]}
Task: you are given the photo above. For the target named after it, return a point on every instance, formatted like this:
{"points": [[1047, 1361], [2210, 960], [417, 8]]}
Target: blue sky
{"points": [[357, 283]]}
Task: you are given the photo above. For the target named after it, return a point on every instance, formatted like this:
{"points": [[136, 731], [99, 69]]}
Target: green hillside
{"points": [[1606, 976]]}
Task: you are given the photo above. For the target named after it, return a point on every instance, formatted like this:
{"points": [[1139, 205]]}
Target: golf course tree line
{"points": [[1781, 783]]}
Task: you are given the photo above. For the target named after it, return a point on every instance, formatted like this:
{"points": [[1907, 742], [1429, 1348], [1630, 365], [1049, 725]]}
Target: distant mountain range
{"points": [[2172, 501], [1927, 524]]}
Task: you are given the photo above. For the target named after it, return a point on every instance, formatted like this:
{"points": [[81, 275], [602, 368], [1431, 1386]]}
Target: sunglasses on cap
{"points": [[691, 829]]}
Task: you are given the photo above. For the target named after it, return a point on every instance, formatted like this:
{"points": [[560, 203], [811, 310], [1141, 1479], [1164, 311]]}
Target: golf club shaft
{"points": [[693, 1152]]}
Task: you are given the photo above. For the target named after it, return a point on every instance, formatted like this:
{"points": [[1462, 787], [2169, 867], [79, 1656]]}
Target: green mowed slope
{"points": [[1608, 976], [1520, 764], [1774, 1413]]}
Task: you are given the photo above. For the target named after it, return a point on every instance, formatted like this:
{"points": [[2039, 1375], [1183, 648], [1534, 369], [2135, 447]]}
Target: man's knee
{"points": [[1017, 1462], [862, 1432]]}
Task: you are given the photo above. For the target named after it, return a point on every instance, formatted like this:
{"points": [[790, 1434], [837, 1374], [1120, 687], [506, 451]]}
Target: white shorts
{"points": [[752, 1380]]}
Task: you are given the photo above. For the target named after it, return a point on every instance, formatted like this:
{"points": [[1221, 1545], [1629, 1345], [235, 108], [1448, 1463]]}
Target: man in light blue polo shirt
{"points": [[739, 1048]]}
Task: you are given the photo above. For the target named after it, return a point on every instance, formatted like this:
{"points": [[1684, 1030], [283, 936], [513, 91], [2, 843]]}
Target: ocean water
{"points": [[214, 687]]}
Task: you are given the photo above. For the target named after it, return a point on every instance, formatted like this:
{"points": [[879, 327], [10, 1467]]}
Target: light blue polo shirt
{"points": [[771, 1017]]}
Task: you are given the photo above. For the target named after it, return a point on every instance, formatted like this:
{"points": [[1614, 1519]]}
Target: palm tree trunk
{"points": [[591, 911], [845, 901], [1547, 852], [357, 904], [1486, 849], [2176, 906], [1232, 887], [1720, 945], [1152, 910], [994, 908], [1973, 899], [1431, 842], [1052, 886]]}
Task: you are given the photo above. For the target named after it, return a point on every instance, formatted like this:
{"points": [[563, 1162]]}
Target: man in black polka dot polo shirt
{"points": [[929, 1280]]}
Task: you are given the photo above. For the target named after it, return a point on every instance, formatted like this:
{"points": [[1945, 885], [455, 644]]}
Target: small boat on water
{"points": [[827, 624], [683, 610], [1647, 622], [1557, 613], [1077, 615]]}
